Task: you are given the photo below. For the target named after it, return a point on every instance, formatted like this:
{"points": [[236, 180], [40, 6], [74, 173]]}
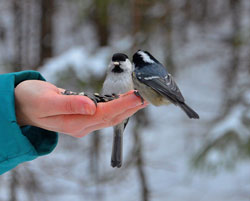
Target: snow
{"points": [[169, 143], [81, 60], [231, 123], [167, 151]]}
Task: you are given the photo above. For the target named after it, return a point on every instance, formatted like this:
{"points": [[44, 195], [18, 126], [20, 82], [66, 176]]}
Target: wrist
{"points": [[20, 116]]}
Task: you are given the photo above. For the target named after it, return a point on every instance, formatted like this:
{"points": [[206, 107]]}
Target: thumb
{"points": [[73, 104]]}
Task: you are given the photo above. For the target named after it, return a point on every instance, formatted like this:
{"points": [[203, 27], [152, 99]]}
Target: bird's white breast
{"points": [[117, 83]]}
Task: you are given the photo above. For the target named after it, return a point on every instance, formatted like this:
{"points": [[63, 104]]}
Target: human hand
{"points": [[41, 104]]}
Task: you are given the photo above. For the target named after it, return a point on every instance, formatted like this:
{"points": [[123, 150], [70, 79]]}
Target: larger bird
{"points": [[155, 84], [118, 81]]}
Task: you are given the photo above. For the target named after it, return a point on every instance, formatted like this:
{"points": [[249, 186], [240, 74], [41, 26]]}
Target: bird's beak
{"points": [[116, 63]]}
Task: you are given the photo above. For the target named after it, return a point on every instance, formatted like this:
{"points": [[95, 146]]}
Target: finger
{"points": [[105, 112], [74, 104], [116, 120], [120, 105], [75, 124]]}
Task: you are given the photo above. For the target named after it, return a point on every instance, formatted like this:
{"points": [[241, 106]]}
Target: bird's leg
{"points": [[139, 95]]}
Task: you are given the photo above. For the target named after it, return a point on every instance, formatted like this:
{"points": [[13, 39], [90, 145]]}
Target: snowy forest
{"points": [[204, 44]]}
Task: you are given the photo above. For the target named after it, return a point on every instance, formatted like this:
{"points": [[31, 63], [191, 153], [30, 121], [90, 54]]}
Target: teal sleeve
{"points": [[19, 144]]}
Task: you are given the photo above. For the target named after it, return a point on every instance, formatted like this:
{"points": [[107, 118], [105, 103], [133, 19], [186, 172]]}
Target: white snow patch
{"points": [[231, 122], [81, 60]]}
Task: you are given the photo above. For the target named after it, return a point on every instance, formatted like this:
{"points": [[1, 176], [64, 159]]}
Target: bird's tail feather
{"points": [[116, 157], [189, 111]]}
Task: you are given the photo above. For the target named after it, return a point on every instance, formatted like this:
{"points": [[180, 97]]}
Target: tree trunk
{"points": [[141, 121], [17, 29], [169, 40], [13, 186], [101, 21], [46, 23]]}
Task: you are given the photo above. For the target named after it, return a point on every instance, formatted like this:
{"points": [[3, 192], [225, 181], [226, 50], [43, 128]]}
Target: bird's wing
{"points": [[165, 86]]}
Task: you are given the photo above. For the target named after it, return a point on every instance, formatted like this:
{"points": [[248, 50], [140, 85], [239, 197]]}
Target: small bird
{"points": [[155, 84], [118, 80]]}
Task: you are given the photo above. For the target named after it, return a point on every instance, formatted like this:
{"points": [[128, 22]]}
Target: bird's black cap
{"points": [[141, 60], [119, 57]]}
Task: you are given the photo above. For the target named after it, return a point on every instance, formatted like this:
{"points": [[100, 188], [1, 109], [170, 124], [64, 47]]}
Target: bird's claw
{"points": [[139, 95]]}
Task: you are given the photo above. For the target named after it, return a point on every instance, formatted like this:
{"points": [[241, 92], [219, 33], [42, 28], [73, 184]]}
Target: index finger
{"points": [[105, 112], [125, 102]]}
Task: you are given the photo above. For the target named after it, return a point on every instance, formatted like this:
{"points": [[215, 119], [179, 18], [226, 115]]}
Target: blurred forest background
{"points": [[204, 44]]}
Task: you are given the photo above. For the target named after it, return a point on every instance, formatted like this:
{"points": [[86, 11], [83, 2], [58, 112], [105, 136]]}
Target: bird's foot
{"points": [[117, 164], [139, 95]]}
